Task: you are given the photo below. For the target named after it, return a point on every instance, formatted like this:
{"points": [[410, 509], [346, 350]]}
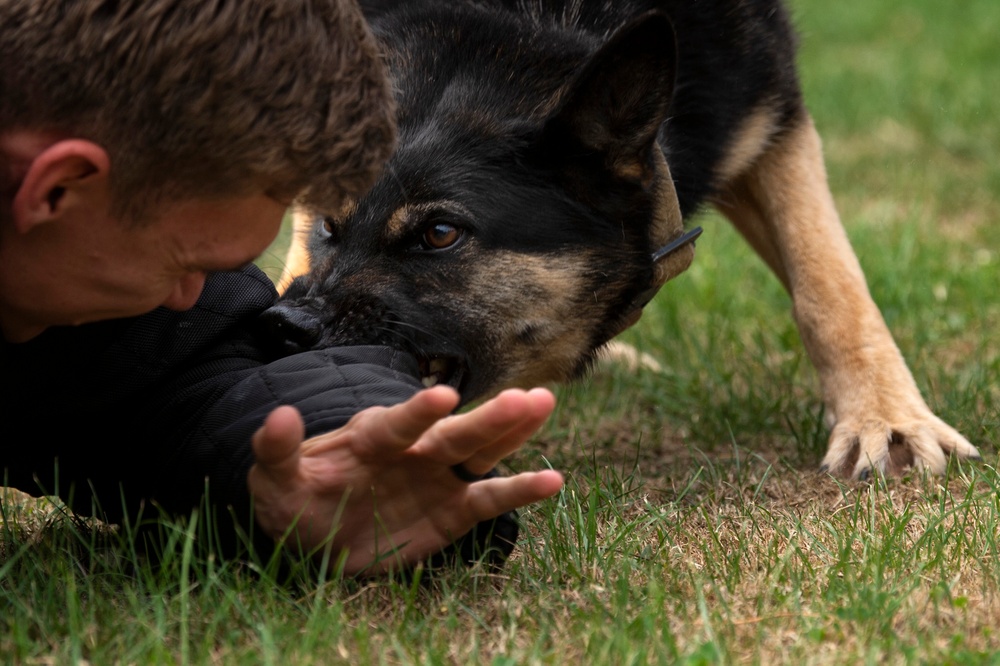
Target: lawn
{"points": [[694, 527]]}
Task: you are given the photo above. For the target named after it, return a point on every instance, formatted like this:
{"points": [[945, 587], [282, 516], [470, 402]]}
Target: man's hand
{"points": [[383, 486]]}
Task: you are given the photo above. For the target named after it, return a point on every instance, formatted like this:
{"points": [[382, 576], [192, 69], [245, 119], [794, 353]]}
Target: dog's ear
{"points": [[620, 97]]}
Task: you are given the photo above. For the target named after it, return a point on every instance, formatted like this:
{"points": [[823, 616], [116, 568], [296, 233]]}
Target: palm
{"points": [[384, 480]]}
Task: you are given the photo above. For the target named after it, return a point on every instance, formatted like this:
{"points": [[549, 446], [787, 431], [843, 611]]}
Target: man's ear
{"points": [[66, 175]]}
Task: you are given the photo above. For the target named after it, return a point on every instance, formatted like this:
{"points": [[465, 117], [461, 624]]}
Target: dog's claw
{"points": [[860, 447]]}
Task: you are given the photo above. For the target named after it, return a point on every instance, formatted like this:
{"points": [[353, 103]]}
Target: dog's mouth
{"points": [[449, 370]]}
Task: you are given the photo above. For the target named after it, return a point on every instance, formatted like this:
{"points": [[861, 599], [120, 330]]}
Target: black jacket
{"points": [[112, 415]]}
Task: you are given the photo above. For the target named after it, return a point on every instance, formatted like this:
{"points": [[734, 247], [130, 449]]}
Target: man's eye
{"points": [[441, 236]]}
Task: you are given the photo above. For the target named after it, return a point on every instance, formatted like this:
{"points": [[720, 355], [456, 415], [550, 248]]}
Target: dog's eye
{"points": [[325, 227], [441, 236]]}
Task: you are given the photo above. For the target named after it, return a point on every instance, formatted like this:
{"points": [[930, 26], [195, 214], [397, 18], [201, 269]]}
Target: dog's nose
{"points": [[289, 329]]}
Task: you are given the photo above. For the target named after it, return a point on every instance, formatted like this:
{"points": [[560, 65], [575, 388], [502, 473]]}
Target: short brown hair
{"points": [[203, 98]]}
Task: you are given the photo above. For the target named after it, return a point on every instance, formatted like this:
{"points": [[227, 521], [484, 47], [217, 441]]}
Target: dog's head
{"points": [[510, 235]]}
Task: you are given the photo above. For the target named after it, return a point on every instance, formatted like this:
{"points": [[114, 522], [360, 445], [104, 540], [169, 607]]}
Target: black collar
{"points": [[686, 238]]}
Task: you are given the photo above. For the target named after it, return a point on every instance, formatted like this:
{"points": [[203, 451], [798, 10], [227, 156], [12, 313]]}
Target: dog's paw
{"points": [[859, 447], [624, 354]]}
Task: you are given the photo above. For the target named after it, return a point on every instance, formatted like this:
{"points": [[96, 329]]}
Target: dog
{"points": [[548, 153]]}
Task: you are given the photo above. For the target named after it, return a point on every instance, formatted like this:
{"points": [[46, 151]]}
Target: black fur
{"points": [[529, 130], [732, 56]]}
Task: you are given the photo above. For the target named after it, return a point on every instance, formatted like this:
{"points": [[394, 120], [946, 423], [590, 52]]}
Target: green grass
{"points": [[693, 528]]}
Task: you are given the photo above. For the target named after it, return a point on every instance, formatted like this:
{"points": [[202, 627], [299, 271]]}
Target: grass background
{"points": [[693, 528]]}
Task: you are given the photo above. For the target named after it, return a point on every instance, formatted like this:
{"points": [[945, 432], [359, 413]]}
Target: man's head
{"points": [[166, 136], [201, 98]]}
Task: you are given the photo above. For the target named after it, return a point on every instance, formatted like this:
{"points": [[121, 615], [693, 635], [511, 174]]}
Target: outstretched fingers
{"points": [[481, 438], [491, 497], [395, 429]]}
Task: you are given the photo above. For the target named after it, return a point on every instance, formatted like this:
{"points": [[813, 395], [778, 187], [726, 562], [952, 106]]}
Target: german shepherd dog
{"points": [[548, 150]]}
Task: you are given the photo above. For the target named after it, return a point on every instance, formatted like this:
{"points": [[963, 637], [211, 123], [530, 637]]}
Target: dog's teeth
{"points": [[429, 380]]}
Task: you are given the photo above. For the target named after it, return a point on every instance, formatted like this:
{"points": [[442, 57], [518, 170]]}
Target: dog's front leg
{"points": [[782, 205]]}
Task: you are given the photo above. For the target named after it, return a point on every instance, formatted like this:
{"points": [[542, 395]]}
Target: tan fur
{"points": [[751, 140], [560, 321], [668, 225], [783, 206], [297, 259], [396, 223]]}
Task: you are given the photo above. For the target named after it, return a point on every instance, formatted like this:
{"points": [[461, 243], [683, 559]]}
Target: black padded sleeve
{"points": [[116, 416]]}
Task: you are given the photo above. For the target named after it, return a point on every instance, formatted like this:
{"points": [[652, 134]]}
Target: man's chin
{"points": [[15, 334]]}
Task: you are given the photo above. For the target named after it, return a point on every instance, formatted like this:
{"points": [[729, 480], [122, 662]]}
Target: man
{"points": [[147, 147]]}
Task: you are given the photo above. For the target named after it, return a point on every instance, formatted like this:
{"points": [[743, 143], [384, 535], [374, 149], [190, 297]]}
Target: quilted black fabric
{"points": [[115, 415]]}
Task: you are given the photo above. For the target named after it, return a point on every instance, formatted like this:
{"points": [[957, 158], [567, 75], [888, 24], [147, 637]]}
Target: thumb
{"points": [[277, 443]]}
